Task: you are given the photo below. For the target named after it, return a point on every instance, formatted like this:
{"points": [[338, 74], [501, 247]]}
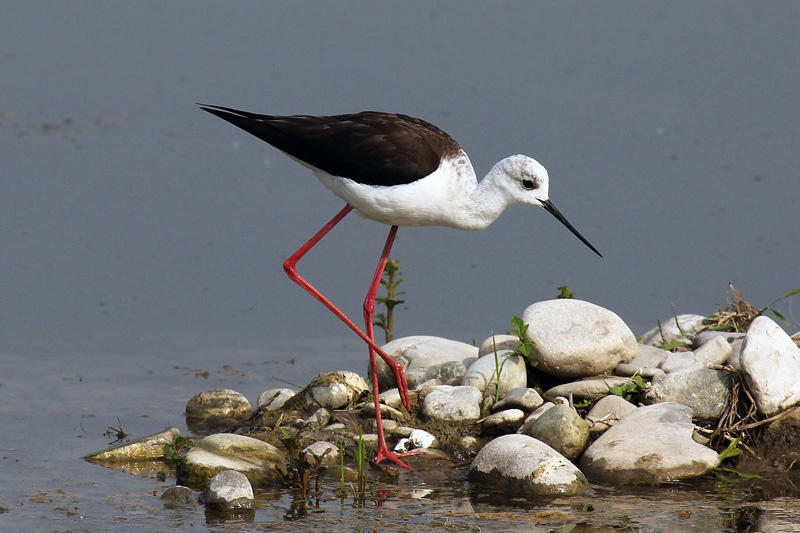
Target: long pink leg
{"points": [[369, 313], [290, 266]]}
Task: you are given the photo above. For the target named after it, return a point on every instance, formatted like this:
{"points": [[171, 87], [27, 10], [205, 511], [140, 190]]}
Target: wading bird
{"points": [[401, 171]]}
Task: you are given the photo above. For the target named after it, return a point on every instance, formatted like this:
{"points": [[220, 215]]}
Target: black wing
{"points": [[370, 147]]}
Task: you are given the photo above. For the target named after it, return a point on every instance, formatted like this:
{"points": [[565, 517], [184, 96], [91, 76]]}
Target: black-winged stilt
{"points": [[401, 171]]}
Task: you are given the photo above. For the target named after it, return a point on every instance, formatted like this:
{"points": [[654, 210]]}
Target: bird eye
{"points": [[528, 184]]}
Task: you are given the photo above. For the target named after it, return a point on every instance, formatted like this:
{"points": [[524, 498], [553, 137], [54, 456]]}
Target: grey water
{"points": [[141, 240]]}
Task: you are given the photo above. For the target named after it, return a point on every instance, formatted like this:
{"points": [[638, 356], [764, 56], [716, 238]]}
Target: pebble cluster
{"points": [[521, 432]]}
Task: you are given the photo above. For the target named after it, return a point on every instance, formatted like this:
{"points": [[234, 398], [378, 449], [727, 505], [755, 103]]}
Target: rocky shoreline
{"points": [[590, 404]]}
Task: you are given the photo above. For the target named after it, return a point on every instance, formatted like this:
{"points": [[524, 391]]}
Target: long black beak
{"points": [[548, 205]]}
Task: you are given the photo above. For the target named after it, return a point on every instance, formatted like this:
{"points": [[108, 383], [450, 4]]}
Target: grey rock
{"points": [[651, 444], [649, 356], [606, 412], [218, 402], [229, 490], [736, 340], [714, 352], [523, 398], [525, 428], [562, 429], [503, 422], [689, 324], [448, 403], [680, 361], [273, 399], [422, 352], [704, 390], [391, 398], [574, 338], [590, 389], [770, 363], [629, 369], [448, 373], [523, 466]]}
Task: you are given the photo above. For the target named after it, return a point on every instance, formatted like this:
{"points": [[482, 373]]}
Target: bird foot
{"points": [[385, 453]]}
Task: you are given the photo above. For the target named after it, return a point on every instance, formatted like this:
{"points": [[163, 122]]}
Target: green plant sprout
{"points": [[172, 450], [498, 369], [390, 281], [630, 389], [525, 345], [565, 293]]}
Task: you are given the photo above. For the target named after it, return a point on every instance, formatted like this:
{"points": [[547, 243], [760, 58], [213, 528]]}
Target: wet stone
{"points": [[218, 402], [227, 491], [142, 449], [520, 465], [259, 461], [178, 497]]}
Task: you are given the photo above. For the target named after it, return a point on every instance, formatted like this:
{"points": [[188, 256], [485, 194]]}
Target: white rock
{"points": [[670, 331], [335, 390], [229, 490], [502, 422], [273, 399], [736, 340], [422, 352], [501, 342], [651, 444], [770, 363], [482, 373], [422, 439], [523, 398], [523, 466], [574, 338], [450, 403]]}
